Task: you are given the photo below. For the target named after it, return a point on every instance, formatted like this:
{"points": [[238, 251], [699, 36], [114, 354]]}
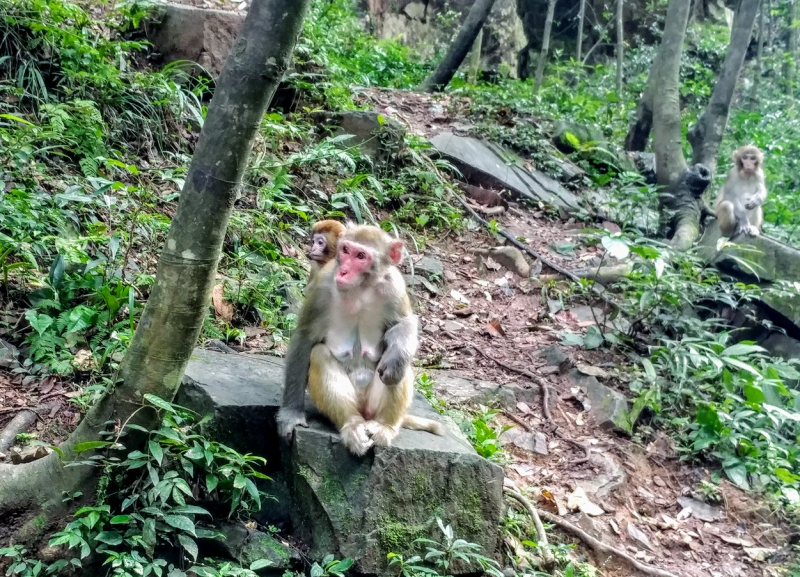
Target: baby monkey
{"points": [[324, 239], [355, 339], [740, 198]]}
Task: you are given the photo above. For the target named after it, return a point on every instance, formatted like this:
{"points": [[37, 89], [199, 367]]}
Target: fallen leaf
{"points": [[577, 500], [495, 329], [591, 370], [222, 308], [523, 407], [456, 295], [759, 553], [736, 540]]}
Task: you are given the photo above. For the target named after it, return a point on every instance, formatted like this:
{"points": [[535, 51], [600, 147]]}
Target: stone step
{"points": [[361, 508]]}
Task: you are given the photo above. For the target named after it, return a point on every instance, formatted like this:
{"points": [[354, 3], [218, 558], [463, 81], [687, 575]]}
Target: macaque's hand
{"points": [[751, 203], [391, 369], [288, 420]]}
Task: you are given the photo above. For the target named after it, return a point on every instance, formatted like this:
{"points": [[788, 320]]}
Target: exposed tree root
{"points": [[21, 422], [600, 547]]}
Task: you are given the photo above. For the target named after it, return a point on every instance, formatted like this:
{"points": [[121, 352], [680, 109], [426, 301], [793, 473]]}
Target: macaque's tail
{"points": [[420, 424]]}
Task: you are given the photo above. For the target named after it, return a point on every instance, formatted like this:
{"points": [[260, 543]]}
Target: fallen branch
{"points": [[535, 378], [545, 261], [595, 544]]}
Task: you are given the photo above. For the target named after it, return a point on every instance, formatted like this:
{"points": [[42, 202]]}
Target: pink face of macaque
{"points": [[749, 163], [318, 245], [356, 261]]}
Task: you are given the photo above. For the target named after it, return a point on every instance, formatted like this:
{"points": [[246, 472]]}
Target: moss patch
{"points": [[397, 537]]}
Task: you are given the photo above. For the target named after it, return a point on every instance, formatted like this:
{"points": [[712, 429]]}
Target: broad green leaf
{"points": [[260, 564], [593, 338], [91, 445], [738, 475], [649, 370], [188, 544], [156, 451], [211, 482], [109, 537], [160, 403], [120, 519], [616, 247], [180, 522]]}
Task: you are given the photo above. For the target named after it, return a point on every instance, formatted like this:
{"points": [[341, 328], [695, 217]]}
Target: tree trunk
{"points": [[475, 58], [548, 26], [30, 495], [460, 47], [706, 135], [791, 64], [581, 18], [759, 58], [620, 48], [770, 29], [670, 163]]}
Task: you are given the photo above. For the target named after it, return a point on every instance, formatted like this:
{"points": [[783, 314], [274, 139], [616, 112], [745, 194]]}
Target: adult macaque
{"points": [[324, 238], [353, 346], [740, 198]]}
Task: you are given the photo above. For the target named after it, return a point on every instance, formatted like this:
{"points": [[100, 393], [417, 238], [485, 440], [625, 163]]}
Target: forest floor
{"points": [[490, 325]]}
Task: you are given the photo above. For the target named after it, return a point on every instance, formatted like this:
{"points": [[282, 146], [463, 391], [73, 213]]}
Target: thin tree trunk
{"points": [[639, 132], [759, 58], [620, 47], [792, 64], [548, 26], [706, 134], [30, 495], [460, 47], [581, 18], [677, 199], [770, 28], [475, 58], [666, 100]]}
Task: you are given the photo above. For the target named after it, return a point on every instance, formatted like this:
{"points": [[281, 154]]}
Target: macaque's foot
{"points": [[751, 230], [356, 438], [382, 435], [288, 420]]}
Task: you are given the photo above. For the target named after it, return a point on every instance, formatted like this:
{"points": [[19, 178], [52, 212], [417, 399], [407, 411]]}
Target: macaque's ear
{"points": [[396, 251], [735, 157]]}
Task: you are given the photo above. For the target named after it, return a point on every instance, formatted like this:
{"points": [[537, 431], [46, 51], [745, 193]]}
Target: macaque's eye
{"points": [[345, 250], [360, 256]]}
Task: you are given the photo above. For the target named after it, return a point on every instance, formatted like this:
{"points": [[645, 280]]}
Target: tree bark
{"points": [[680, 208], [475, 58], [460, 47], [706, 134], [791, 64], [581, 18], [666, 101], [759, 58], [30, 495], [548, 26], [620, 47]]}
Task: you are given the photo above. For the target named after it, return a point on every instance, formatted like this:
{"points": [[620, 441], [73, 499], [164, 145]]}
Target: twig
{"points": [[595, 544], [535, 378], [537, 522], [53, 394], [518, 421], [545, 261]]}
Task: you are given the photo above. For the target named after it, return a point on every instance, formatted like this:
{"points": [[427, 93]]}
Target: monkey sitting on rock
{"points": [[740, 198], [355, 339]]}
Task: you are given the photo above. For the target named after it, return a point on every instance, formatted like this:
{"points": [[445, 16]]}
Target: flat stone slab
{"points": [[771, 260], [486, 164], [353, 507]]}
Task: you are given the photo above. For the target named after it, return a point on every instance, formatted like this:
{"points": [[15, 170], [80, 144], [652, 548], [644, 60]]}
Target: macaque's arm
{"points": [[760, 196], [401, 340]]}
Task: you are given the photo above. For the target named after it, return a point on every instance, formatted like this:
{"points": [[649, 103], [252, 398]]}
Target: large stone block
{"points": [[202, 35], [486, 164], [364, 507]]}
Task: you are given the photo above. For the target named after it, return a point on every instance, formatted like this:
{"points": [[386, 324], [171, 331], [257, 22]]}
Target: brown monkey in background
{"points": [[740, 198], [353, 346], [324, 238]]}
